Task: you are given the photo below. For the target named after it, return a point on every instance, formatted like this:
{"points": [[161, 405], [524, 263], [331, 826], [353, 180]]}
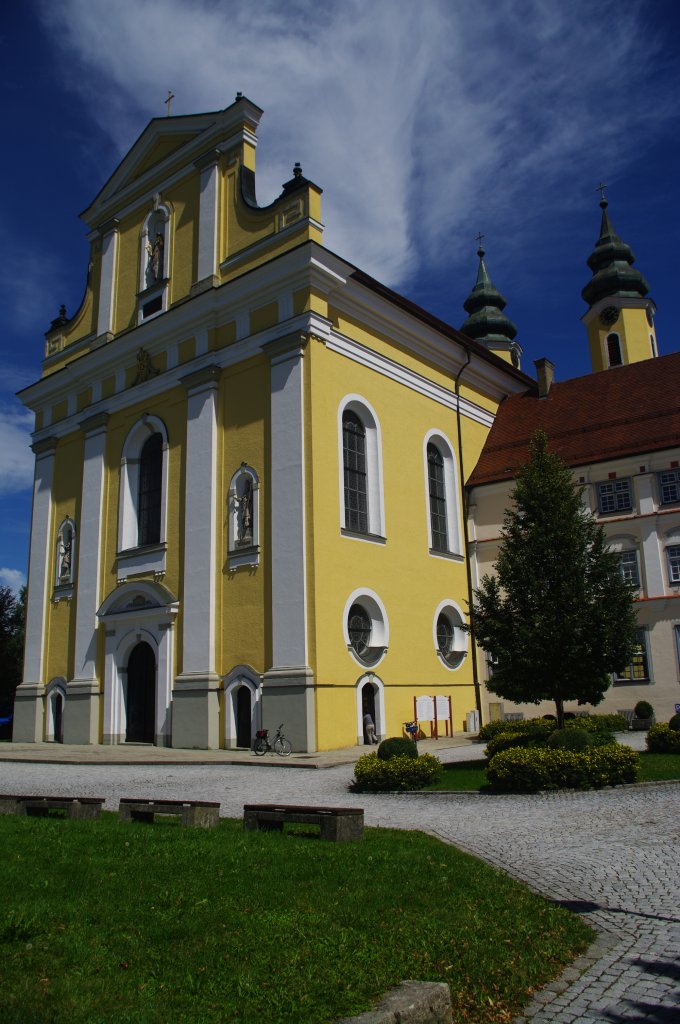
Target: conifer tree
{"points": [[557, 617]]}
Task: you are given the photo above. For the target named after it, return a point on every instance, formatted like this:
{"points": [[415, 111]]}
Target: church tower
{"points": [[620, 318], [486, 322]]}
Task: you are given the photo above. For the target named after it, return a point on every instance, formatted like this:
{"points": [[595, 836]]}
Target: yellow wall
{"points": [[633, 329]]}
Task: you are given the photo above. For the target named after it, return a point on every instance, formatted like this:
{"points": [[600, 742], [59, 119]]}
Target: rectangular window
{"points": [[628, 567], [435, 475], [614, 496], [669, 486], [637, 670], [354, 459], [673, 555]]}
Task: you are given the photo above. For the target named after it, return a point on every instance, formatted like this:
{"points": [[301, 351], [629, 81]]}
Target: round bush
{"points": [[530, 770], [397, 746], [643, 709], [574, 739], [373, 775], [506, 740], [661, 739], [599, 723], [674, 723]]}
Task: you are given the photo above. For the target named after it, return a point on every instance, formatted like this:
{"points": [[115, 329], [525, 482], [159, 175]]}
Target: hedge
{"points": [[589, 723], [371, 774], [661, 739], [528, 770]]}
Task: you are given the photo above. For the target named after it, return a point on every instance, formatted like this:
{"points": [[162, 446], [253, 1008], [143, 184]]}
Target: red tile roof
{"points": [[622, 411]]}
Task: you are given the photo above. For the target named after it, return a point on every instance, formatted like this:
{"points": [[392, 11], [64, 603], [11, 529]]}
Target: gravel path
{"points": [[612, 855]]}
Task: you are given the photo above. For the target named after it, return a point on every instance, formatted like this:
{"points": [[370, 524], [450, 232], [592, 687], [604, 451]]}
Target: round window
{"points": [[448, 644], [359, 629]]}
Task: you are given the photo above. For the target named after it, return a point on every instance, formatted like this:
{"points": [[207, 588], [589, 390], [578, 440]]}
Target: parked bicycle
{"points": [[280, 746]]}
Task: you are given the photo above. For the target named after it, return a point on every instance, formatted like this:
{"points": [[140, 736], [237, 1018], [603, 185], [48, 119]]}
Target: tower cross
{"points": [[600, 188], [480, 238], [169, 100]]}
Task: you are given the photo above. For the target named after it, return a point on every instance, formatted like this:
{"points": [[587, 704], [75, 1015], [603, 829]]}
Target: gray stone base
{"points": [[412, 1002], [288, 697], [29, 713], [196, 711], [81, 713]]}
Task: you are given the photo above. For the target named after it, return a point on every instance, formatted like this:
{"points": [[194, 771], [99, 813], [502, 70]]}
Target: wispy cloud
{"points": [[28, 282], [12, 578], [16, 458], [420, 121]]}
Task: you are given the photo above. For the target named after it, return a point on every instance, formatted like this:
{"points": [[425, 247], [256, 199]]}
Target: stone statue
{"points": [[245, 514], [154, 270], [65, 549]]}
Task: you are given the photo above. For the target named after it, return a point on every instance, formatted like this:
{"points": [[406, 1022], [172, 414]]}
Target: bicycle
{"points": [[280, 746]]}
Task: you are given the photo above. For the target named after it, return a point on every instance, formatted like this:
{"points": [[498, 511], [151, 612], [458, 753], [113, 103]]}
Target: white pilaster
{"points": [[207, 217], [287, 488], [107, 283], [28, 709]]}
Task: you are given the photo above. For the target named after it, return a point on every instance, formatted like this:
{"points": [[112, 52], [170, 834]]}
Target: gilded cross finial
{"points": [[169, 100], [600, 188]]}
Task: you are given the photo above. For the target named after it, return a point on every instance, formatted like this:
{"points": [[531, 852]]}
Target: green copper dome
{"points": [[487, 322], [611, 263]]}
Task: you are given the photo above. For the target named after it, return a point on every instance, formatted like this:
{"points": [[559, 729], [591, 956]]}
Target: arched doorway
{"points": [[243, 717], [368, 705], [58, 717], [141, 695]]}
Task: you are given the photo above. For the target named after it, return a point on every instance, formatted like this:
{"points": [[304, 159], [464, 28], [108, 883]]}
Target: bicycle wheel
{"points": [[260, 747], [283, 747]]}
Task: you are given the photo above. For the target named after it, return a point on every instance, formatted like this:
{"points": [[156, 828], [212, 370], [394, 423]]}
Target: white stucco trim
{"points": [[451, 491], [207, 219], [362, 408], [460, 643], [380, 717], [39, 563], [55, 688], [129, 482], [108, 276], [380, 626]]}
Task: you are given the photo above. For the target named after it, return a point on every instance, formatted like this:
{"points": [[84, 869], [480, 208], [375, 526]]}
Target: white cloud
{"points": [[421, 122], [12, 578], [16, 457]]}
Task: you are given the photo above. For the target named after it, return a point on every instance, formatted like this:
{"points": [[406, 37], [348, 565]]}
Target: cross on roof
{"points": [[480, 239], [170, 98], [600, 188]]}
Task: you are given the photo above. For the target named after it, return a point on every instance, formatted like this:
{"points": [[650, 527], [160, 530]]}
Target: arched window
{"points": [[354, 467], [614, 350], [150, 485], [437, 494], [64, 573], [360, 463], [441, 484]]}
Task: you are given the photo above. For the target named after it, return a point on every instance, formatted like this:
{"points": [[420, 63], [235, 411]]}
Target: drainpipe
{"points": [[466, 538]]}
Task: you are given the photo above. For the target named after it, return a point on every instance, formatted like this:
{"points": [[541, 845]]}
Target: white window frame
{"points": [[618, 680], [380, 627], [374, 469], [675, 473], [613, 493], [239, 554], [131, 557], [451, 493], [614, 334], [633, 558], [673, 563], [460, 644]]}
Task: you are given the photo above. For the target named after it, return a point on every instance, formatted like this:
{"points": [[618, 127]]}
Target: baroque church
{"points": [[225, 432]]}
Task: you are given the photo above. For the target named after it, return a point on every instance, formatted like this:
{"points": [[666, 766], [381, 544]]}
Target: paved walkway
{"points": [[613, 856]]}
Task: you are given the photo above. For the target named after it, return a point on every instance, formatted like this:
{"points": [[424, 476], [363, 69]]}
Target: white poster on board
{"points": [[443, 709], [425, 709]]}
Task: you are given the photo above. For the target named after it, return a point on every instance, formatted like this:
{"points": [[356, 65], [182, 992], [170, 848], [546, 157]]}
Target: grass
{"points": [[470, 775], [155, 924]]}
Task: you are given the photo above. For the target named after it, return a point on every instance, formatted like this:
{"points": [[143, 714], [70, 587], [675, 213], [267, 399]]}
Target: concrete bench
{"points": [[336, 824], [201, 813], [77, 807]]}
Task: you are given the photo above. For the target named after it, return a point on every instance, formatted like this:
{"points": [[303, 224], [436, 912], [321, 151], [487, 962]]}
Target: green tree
{"points": [[557, 617], [12, 619]]}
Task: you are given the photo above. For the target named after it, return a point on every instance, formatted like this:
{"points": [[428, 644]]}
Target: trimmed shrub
{"points": [[533, 726], [506, 740], [397, 746], [674, 723], [643, 709], [530, 770], [374, 775], [599, 723], [661, 739], [572, 739]]}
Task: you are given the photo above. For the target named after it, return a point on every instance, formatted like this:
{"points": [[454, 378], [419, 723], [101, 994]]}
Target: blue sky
{"points": [[424, 123]]}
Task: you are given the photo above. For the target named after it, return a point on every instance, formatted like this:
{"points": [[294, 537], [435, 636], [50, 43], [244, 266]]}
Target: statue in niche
{"points": [[244, 514], [65, 555], [154, 267]]}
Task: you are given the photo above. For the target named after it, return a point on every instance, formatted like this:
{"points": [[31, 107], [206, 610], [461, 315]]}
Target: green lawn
{"points": [[103, 922], [470, 775]]}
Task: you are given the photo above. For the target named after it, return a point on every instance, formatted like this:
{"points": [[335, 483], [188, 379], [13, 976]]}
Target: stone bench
{"points": [[201, 813], [77, 807], [336, 824]]}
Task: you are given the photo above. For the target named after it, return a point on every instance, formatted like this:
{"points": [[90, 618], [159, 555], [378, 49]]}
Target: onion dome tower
{"points": [[620, 318], [486, 322]]}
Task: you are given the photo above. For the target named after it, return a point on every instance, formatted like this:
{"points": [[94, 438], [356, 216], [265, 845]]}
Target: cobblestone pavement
{"points": [[613, 856]]}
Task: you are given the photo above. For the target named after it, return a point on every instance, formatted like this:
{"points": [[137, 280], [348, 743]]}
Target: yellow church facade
{"points": [[250, 457]]}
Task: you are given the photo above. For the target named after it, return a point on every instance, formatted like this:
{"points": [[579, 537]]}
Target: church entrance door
{"points": [[243, 717], [141, 695], [368, 705]]}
